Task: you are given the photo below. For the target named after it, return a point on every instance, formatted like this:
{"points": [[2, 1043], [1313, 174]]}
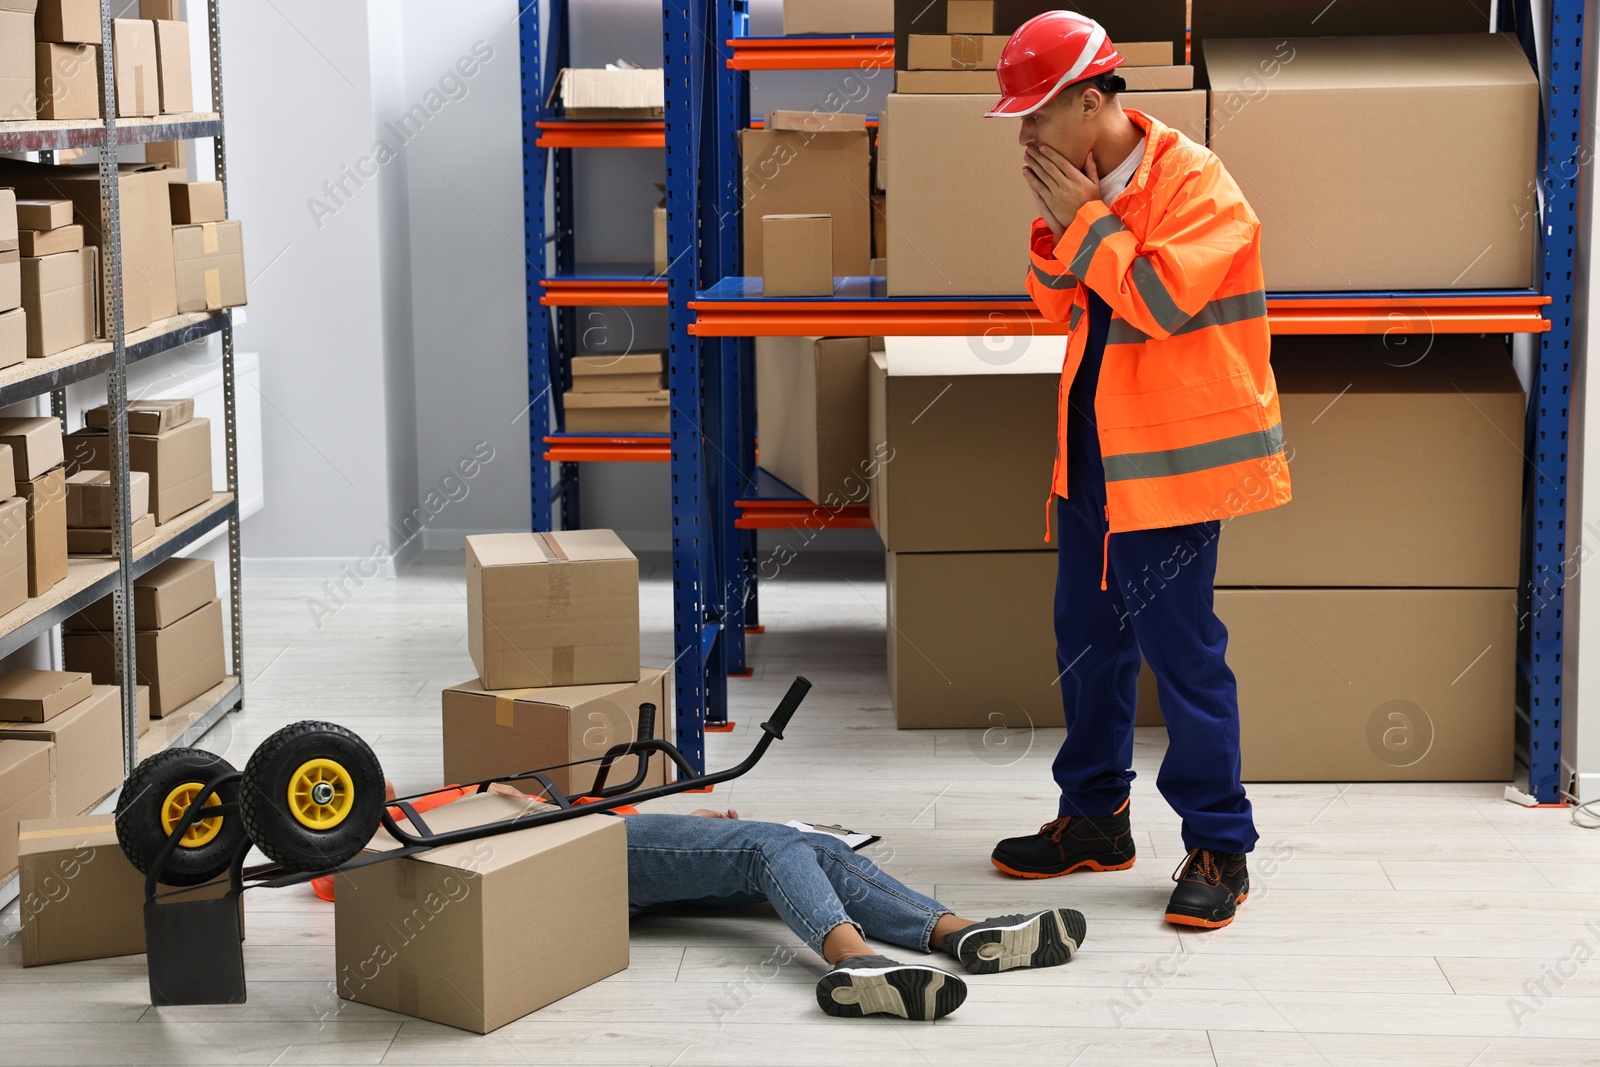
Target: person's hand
{"points": [[1059, 187], [1044, 213], [707, 813], [505, 789]]}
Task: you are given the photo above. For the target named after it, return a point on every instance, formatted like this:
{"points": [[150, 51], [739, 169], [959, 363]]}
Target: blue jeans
{"points": [[813, 880]]}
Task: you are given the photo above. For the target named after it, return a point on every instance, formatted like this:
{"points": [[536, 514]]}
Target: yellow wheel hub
{"points": [[321, 794], [201, 831]]}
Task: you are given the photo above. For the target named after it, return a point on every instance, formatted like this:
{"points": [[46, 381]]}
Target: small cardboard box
{"points": [[43, 214], [146, 416], [68, 21], [11, 277], [552, 608], [177, 662], [46, 498], [815, 121], [971, 16], [13, 554], [178, 463], [632, 372], [811, 405], [13, 339], [161, 596], [618, 412], [838, 16], [945, 82], [1146, 54], [972, 640], [954, 51], [489, 732], [208, 261], [86, 757], [24, 785], [106, 542], [172, 62], [28, 695], [136, 66], [91, 502], [17, 89], [797, 255], [450, 934], [35, 445], [59, 294], [69, 80], [613, 94], [787, 172], [36, 243], [196, 202]]}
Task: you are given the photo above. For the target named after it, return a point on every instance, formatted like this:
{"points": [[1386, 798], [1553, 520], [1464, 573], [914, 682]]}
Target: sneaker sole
{"points": [[1082, 865], [916, 993], [1049, 939], [1178, 918]]}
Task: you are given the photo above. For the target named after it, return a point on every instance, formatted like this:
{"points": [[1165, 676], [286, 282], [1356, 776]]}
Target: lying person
{"points": [[833, 899]]}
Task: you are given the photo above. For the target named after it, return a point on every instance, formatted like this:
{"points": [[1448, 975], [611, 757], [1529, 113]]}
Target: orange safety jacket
{"points": [[1186, 407]]}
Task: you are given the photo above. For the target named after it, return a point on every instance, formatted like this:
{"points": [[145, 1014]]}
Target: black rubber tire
{"points": [[264, 804], [138, 817]]}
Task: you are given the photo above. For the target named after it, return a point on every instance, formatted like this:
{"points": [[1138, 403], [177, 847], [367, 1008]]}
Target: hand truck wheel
{"points": [[154, 799], [312, 796]]}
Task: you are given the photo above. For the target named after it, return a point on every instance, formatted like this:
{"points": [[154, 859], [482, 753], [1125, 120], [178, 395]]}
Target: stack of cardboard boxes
{"points": [[67, 59], [60, 278], [620, 393], [41, 482], [207, 248], [177, 634], [51, 58], [165, 441], [809, 164], [92, 513]]}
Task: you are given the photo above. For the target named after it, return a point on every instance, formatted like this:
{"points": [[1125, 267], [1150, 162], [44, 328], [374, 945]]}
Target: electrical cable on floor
{"points": [[1589, 810]]}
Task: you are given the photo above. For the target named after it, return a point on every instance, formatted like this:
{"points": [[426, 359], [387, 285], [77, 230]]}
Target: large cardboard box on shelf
{"points": [[1406, 472], [137, 69], [60, 293], [36, 243], [177, 461], [10, 220], [811, 410], [945, 152], [208, 265], [178, 662], [10, 277], [588, 93], [69, 80], [797, 255], [817, 121], [552, 608], [91, 502], [86, 753], [101, 912], [449, 934], [838, 16], [649, 412], [960, 462], [1321, 230], [24, 792], [46, 498], [28, 695], [495, 732], [17, 89], [172, 62], [13, 337], [8, 472], [68, 21], [789, 172], [13, 554], [619, 372], [1354, 685], [162, 595], [970, 16], [972, 640]]}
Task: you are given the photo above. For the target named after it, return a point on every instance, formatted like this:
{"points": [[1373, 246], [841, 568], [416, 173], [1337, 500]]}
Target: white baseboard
{"points": [[321, 568]]}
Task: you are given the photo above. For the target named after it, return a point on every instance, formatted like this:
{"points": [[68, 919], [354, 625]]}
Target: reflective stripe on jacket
{"points": [[1187, 408]]}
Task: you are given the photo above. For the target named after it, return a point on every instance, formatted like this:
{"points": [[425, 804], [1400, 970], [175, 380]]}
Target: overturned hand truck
{"points": [[310, 798]]}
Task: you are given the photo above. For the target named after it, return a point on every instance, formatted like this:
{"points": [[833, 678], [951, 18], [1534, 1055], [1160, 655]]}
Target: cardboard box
{"points": [[13, 339], [13, 554], [1153, 79], [160, 9], [1321, 230], [970, 16], [632, 372], [552, 608], [815, 121], [43, 214], [35, 445], [880, 226], [46, 497], [137, 70], [1367, 685], [68, 21], [1184, 110], [489, 733], [972, 640], [1146, 54], [797, 255], [105, 542], [91, 501], [35, 696], [60, 295], [10, 279], [172, 63], [1431, 448], [880, 269], [178, 662], [145, 416], [618, 412], [173, 154], [162, 595], [992, 435], [951, 82], [658, 217], [954, 51], [8, 220], [944, 153], [17, 89], [178, 463], [86, 752], [209, 266], [450, 934], [197, 202], [69, 80], [36, 243], [8, 470], [24, 786], [838, 16], [811, 411], [789, 172], [613, 94]]}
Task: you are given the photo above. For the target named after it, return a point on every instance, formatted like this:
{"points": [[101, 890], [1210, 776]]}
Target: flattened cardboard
{"points": [[35, 445], [788, 172], [811, 408], [196, 202], [91, 501], [69, 80], [28, 695], [17, 89], [24, 788], [613, 94], [43, 214], [13, 554], [177, 662], [178, 463], [13, 340], [592, 412], [146, 416], [954, 51], [86, 756], [499, 732], [552, 609], [162, 595], [35, 243], [970, 16], [209, 266], [105, 542], [172, 67], [972, 640], [58, 293], [838, 16], [797, 255], [137, 70], [68, 21], [46, 498], [815, 121]]}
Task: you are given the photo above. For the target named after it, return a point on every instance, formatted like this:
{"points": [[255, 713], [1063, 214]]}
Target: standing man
{"points": [[1168, 422]]}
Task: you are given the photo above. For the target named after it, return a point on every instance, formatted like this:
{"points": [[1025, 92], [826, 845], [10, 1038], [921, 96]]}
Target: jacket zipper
{"points": [[1105, 551]]}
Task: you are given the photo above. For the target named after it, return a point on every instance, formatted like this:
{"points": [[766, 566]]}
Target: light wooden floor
{"points": [[1389, 924]]}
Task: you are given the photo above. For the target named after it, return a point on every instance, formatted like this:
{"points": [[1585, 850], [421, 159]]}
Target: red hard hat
{"points": [[1048, 53]]}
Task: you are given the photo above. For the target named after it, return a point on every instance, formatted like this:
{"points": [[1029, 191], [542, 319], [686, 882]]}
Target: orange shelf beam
{"points": [[575, 134], [607, 448], [799, 515], [604, 293], [811, 53], [1379, 316]]}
